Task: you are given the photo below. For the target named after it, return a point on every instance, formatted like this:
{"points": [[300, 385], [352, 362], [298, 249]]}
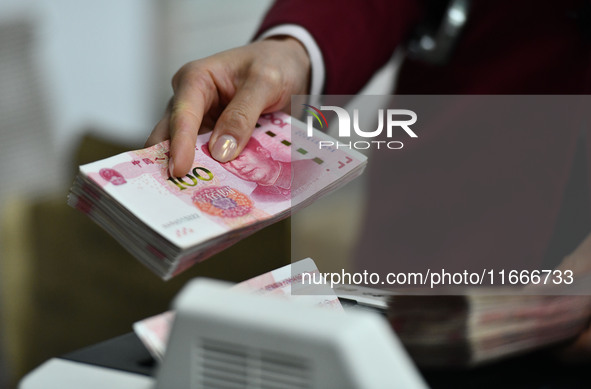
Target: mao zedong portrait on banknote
{"points": [[274, 178]]}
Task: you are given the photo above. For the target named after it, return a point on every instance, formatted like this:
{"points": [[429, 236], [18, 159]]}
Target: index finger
{"points": [[190, 102]]}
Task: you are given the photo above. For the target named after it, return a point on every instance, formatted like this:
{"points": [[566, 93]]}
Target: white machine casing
{"points": [[227, 339], [224, 338]]}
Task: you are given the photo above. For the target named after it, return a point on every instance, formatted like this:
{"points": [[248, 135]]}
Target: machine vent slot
{"points": [[228, 365]]}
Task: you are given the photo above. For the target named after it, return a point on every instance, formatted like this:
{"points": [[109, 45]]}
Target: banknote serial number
{"points": [[536, 277], [181, 220]]}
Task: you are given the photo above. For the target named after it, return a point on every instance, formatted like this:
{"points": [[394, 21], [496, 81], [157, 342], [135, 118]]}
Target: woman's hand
{"points": [[227, 93]]}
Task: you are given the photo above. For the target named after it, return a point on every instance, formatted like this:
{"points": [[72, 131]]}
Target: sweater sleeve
{"points": [[355, 38]]}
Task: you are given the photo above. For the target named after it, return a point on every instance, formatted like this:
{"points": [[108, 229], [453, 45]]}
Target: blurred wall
{"points": [[96, 65], [108, 64]]}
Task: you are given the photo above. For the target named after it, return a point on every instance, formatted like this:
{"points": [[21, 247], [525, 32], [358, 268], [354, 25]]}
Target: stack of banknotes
{"points": [[441, 331], [170, 223], [437, 331], [285, 282]]}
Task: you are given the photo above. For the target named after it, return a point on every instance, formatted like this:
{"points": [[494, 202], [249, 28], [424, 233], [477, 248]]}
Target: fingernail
{"points": [[170, 167], [224, 148]]}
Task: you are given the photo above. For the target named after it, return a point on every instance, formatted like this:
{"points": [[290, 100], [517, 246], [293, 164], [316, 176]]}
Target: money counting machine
{"points": [[227, 339]]}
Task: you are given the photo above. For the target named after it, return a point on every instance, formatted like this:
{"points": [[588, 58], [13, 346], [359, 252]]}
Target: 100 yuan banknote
{"points": [[285, 282], [186, 218]]}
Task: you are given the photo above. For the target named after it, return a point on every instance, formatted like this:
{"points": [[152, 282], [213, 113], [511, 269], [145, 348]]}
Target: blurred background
{"points": [[80, 81]]}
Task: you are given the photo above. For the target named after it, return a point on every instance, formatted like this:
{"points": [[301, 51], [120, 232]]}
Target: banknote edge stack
{"points": [[440, 331], [477, 327], [161, 255], [153, 331]]}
